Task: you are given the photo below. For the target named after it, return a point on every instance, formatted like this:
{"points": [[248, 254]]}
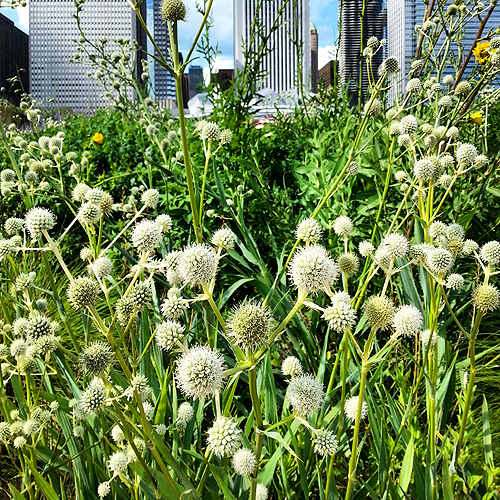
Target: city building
{"points": [[314, 58], [195, 80], [285, 66], [14, 59], [326, 75], [402, 38], [163, 82], [352, 69], [53, 29]]}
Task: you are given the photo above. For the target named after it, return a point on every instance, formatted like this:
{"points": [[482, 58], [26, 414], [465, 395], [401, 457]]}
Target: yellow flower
{"points": [[98, 138], [477, 118], [482, 52]]}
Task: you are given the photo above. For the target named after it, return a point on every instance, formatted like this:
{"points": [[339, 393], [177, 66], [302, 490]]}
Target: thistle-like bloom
{"points": [[348, 263], [455, 281], [455, 232], [174, 305], [185, 414], [168, 333], [197, 264], [244, 462], [424, 169], [94, 397], [351, 408], [490, 253], [291, 367], [140, 385], [340, 316], [102, 267], [141, 294], [366, 248], [38, 220], [262, 492], [103, 490], [466, 154], [173, 10], [106, 205], [409, 124], [118, 462], [223, 238], [470, 246], [19, 442], [200, 372], [325, 443], [250, 325], [343, 225], [224, 437], [96, 358], [38, 326], [408, 321], [147, 236], [94, 195], [427, 336], [437, 229], [305, 394], [396, 245], [83, 292], [486, 298], [373, 108], [25, 281], [90, 213], [150, 198], [86, 254], [439, 261], [379, 311], [165, 222], [13, 226], [117, 434]]}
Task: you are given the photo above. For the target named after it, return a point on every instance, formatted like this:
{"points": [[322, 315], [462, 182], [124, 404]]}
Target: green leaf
{"points": [[488, 452], [277, 437], [407, 466], [44, 486]]}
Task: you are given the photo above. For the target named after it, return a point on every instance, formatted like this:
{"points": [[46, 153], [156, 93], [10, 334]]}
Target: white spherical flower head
{"points": [[103, 490], [490, 253], [343, 226], [96, 358], [244, 462], [150, 198], [408, 321], [305, 394], [89, 214], [340, 316], [262, 492], [79, 192], [118, 462], [424, 169], [146, 236], [312, 269], [309, 231], [396, 245], [94, 397], [102, 267], [94, 195], [486, 298], [185, 413], [437, 229], [38, 220], [379, 311], [174, 306], [291, 367], [409, 124], [224, 437], [466, 154], [455, 232], [325, 443], [250, 325], [366, 248], [197, 264], [223, 238], [439, 261], [117, 434], [83, 292], [168, 333], [351, 408], [427, 336], [455, 281], [200, 372], [165, 222]]}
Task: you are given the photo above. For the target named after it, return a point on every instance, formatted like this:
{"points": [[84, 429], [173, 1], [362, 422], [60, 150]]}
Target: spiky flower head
{"points": [[103, 490], [408, 321], [94, 397], [146, 236], [427, 336], [445, 102], [200, 372], [373, 43], [185, 413], [126, 308], [38, 220], [25, 281], [210, 131], [86, 254], [455, 232], [305, 394], [117, 434], [340, 316], [395, 129], [224, 437], [486, 298], [262, 492], [168, 333], [366, 248], [165, 222], [4, 432], [480, 161], [83, 292], [90, 213], [414, 86], [466, 154], [19, 442], [424, 169], [118, 462], [453, 134], [38, 325], [223, 238], [102, 267], [312, 269], [396, 245], [20, 327], [96, 358], [437, 229], [174, 306], [161, 429], [409, 124], [490, 252], [343, 226], [30, 427], [470, 246], [401, 176], [150, 198], [244, 462], [141, 294], [291, 367], [325, 443], [379, 311], [94, 195], [173, 10], [351, 408], [463, 89], [309, 230], [439, 261], [389, 66], [348, 263], [106, 205], [250, 325], [352, 169], [13, 225], [197, 264], [455, 247], [225, 136], [373, 108], [8, 175], [404, 140]]}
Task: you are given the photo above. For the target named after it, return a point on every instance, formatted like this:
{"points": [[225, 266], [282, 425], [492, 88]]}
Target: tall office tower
{"points": [[402, 39], [195, 80], [283, 64], [314, 58], [163, 82], [52, 31], [352, 68], [14, 57]]}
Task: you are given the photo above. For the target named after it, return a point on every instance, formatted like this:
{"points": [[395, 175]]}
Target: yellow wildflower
{"points": [[477, 118], [482, 52], [98, 138]]}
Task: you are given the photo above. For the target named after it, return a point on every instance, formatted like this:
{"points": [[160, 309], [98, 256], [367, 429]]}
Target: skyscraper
{"points": [[52, 31], [314, 58], [163, 82], [283, 64], [353, 37]]}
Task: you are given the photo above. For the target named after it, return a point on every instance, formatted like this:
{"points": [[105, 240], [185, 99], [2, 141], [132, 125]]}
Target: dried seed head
{"points": [[250, 325], [408, 321], [305, 394], [325, 443], [379, 311], [224, 437], [309, 230]]}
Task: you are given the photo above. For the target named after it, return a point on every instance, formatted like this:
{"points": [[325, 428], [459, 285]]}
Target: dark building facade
{"points": [[195, 79], [14, 56], [374, 20], [314, 58], [326, 75]]}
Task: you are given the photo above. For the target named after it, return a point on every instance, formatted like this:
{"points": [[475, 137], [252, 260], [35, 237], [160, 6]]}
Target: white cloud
{"points": [[24, 18], [325, 54]]}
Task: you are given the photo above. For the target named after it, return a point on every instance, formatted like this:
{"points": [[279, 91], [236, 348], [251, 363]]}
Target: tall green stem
{"points": [[259, 437]]}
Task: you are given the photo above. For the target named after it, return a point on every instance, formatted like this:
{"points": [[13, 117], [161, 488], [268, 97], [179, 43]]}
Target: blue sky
{"points": [[323, 15]]}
